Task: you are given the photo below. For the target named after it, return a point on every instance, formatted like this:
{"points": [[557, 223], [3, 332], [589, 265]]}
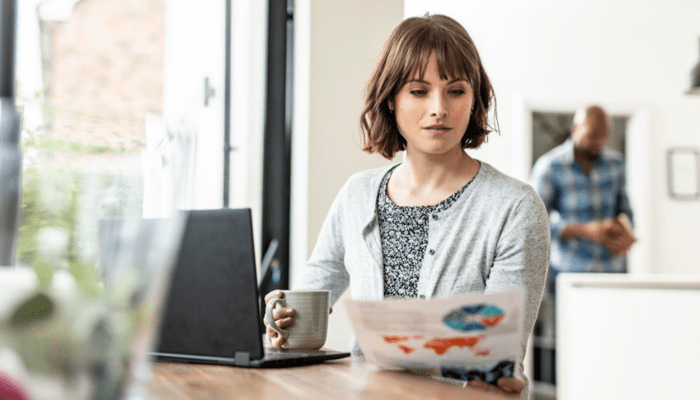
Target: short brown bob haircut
{"points": [[408, 51]]}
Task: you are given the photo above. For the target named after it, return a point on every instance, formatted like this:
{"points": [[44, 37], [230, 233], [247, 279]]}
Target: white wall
{"points": [[337, 44], [637, 54]]}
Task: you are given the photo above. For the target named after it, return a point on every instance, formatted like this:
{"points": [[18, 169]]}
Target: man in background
{"points": [[582, 184]]}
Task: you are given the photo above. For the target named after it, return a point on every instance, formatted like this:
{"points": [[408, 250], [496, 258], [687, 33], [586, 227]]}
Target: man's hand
{"points": [[507, 385], [612, 234]]}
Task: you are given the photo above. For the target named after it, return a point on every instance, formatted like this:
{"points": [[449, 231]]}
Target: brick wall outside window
{"points": [[103, 71]]}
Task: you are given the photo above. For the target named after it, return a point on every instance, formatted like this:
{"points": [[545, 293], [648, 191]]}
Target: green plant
{"points": [[88, 332], [71, 202]]}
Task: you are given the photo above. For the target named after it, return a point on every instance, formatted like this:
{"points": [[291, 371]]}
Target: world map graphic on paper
{"points": [[439, 345], [467, 319], [399, 339]]}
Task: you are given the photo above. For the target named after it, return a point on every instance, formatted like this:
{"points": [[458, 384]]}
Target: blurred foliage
{"points": [[70, 201], [61, 205], [60, 209], [67, 186]]}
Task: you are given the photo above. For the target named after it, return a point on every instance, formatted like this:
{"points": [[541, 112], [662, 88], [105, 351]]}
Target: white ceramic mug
{"points": [[310, 326]]}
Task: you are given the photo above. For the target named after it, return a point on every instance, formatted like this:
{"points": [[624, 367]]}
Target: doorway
{"points": [[545, 125], [632, 138], [552, 128]]}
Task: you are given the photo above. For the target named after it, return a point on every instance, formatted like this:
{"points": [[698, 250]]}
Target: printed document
{"points": [[472, 336]]}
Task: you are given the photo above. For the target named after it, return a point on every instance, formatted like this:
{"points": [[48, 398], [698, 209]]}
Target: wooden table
{"points": [[349, 378]]}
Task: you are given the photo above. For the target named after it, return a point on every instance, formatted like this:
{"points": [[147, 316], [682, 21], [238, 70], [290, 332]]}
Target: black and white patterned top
{"points": [[404, 232]]}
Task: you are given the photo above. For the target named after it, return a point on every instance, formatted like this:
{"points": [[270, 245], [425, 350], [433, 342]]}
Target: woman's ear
{"points": [[390, 103]]}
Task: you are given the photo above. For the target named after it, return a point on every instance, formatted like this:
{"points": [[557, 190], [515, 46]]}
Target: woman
{"points": [[440, 223]]}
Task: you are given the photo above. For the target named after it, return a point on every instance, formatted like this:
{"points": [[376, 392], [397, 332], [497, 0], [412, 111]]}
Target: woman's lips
{"points": [[437, 128]]}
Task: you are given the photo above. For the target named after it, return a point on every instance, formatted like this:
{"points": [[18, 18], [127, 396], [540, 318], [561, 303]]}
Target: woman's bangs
{"points": [[415, 64], [450, 64], [452, 57]]}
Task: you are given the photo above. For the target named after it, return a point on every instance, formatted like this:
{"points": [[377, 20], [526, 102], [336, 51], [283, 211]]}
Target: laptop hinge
{"points": [[242, 358]]}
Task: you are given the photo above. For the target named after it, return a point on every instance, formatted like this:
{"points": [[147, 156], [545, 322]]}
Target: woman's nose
{"points": [[438, 105]]}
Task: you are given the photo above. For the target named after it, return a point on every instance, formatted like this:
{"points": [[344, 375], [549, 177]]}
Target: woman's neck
{"points": [[429, 179]]}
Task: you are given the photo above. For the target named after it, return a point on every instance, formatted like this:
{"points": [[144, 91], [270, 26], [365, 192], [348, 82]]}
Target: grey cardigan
{"points": [[495, 237]]}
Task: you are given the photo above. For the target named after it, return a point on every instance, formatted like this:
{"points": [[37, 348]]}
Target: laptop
{"points": [[211, 314]]}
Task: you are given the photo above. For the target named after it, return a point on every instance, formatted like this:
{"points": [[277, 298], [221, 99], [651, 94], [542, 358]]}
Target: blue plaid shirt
{"points": [[573, 195]]}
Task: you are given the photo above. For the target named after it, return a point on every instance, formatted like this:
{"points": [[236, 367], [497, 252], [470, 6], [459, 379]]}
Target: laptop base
{"points": [[274, 358]]}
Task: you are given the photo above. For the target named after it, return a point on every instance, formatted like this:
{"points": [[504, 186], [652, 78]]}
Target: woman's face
{"points": [[432, 114]]}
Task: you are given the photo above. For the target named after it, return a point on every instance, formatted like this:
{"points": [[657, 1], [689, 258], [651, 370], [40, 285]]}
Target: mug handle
{"points": [[271, 321]]}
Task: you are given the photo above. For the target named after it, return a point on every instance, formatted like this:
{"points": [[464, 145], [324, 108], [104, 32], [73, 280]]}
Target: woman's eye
{"points": [[417, 92], [457, 92]]}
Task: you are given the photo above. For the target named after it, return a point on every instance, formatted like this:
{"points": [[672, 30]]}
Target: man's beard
{"points": [[589, 153]]}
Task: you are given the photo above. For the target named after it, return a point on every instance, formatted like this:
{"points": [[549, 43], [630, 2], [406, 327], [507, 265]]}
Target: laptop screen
{"points": [[212, 308]]}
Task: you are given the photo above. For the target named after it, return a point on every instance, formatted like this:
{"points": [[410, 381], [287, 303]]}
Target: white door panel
{"points": [[195, 54]]}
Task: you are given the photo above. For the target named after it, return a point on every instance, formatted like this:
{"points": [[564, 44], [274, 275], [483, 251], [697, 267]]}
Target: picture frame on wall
{"points": [[683, 166]]}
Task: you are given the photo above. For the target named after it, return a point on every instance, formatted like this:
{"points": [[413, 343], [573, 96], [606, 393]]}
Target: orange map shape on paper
{"points": [[491, 321], [395, 338], [441, 345], [406, 349]]}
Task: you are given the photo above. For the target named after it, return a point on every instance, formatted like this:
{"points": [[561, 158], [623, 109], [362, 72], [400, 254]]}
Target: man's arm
{"points": [[622, 201], [615, 233], [610, 232], [543, 181], [589, 230]]}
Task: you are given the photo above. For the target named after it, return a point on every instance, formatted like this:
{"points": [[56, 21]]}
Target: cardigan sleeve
{"points": [[325, 269], [522, 257]]}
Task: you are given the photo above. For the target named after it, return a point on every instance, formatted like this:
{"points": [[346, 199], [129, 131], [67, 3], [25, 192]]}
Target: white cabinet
{"points": [[622, 336]]}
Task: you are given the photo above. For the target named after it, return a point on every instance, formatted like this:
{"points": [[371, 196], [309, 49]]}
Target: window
{"points": [[124, 111], [89, 77]]}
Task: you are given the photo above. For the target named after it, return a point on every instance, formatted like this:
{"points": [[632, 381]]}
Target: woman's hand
{"points": [[283, 316], [508, 385]]}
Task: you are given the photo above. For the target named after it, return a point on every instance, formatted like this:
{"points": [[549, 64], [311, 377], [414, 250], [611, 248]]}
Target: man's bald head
{"points": [[590, 130]]}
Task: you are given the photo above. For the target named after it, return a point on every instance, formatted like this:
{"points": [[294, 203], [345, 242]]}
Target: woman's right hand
{"points": [[283, 316]]}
